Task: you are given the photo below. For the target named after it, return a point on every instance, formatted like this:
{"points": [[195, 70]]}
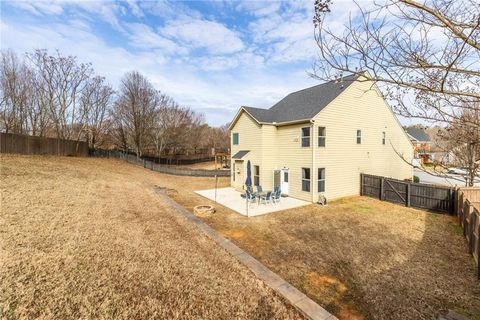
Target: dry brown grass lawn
{"points": [[360, 258], [89, 238]]}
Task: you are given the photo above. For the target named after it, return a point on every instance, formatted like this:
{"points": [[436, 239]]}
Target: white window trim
{"points": [[305, 137], [359, 135], [255, 175], [324, 137], [309, 180], [324, 180]]}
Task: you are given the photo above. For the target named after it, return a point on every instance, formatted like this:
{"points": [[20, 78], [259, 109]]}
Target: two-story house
{"points": [[319, 140], [421, 144]]}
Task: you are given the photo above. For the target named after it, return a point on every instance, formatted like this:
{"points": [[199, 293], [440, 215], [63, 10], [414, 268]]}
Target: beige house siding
{"points": [[358, 107], [294, 157], [250, 138]]}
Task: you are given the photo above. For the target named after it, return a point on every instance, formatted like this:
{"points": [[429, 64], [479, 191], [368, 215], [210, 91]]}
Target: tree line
{"points": [[53, 95]]}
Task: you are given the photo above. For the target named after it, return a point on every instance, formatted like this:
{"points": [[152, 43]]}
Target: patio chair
{"points": [[276, 196], [250, 196], [266, 198], [275, 189], [259, 189]]}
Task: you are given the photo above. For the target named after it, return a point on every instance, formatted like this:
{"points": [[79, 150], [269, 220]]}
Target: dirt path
{"points": [[90, 238]]}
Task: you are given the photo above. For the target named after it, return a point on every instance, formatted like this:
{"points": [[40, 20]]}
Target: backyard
{"points": [[84, 238], [360, 258]]}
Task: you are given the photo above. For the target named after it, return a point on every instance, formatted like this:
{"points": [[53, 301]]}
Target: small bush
{"points": [[416, 179]]}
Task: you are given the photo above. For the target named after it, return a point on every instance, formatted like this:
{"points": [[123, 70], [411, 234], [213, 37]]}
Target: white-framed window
{"points": [[321, 179], [306, 179], [384, 137], [305, 137], [235, 139], [256, 175], [359, 136], [322, 136]]}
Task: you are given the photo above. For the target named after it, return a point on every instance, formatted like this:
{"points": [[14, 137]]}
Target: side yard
{"points": [[89, 238], [360, 258]]}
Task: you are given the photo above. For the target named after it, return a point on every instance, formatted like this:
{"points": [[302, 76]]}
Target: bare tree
{"points": [[15, 91], [463, 141], [95, 103], [135, 109], [38, 110], [60, 83], [424, 55]]}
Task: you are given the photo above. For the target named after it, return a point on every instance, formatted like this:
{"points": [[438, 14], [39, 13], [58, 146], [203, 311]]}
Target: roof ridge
{"points": [[315, 86]]}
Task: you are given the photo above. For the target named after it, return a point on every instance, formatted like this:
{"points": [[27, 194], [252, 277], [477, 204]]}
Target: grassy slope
{"points": [[89, 238]]}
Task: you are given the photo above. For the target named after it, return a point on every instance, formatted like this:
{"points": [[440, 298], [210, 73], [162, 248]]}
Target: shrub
{"points": [[416, 179]]}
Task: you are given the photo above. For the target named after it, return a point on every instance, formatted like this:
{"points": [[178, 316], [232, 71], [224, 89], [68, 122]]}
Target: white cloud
{"points": [[142, 36], [39, 7], [203, 34], [259, 8], [135, 8]]}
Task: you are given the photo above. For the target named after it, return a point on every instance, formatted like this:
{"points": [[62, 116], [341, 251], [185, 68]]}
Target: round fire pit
{"points": [[204, 210]]}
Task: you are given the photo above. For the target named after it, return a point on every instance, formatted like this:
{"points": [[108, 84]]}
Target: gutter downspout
{"points": [[312, 121]]}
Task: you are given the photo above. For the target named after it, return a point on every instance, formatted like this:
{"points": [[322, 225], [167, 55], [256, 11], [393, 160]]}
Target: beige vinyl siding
{"points": [[269, 156], [250, 138], [293, 156], [360, 107]]}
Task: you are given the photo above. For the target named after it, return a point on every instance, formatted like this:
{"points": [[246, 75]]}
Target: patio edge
{"points": [[309, 308]]}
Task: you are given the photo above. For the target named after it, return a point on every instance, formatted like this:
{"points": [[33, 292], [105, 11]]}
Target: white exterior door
{"points": [[284, 181]]}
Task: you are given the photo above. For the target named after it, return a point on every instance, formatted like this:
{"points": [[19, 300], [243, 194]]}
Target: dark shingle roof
{"points": [[303, 104], [240, 154], [418, 134]]}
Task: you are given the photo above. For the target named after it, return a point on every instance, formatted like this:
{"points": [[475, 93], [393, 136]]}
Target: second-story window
{"points": [[359, 136], [384, 137], [235, 139], [321, 136], [306, 137]]}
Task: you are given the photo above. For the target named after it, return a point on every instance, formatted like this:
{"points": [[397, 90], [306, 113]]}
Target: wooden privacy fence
{"points": [[159, 167], [430, 197], [23, 144], [468, 212]]}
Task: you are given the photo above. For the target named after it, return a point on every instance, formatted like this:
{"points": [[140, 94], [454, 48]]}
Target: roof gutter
{"points": [[312, 121], [286, 123]]}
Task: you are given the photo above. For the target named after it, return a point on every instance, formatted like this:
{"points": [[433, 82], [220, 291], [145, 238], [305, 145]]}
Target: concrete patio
{"points": [[231, 198]]}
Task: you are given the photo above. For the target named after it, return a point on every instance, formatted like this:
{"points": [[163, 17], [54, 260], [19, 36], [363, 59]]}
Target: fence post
{"points": [[478, 250], [361, 178], [382, 189], [471, 227], [466, 213], [452, 202], [408, 195]]}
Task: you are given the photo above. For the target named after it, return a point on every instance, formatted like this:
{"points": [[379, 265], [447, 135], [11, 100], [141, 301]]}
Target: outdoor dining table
{"points": [[259, 195]]}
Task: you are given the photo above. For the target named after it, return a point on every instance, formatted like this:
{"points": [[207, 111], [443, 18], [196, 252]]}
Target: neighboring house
{"points": [[421, 144], [439, 155], [319, 140]]}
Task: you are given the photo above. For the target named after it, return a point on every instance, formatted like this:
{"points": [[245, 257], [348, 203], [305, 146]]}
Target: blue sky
{"points": [[212, 56]]}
